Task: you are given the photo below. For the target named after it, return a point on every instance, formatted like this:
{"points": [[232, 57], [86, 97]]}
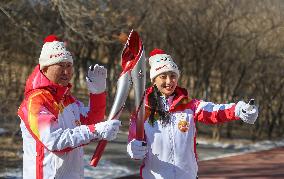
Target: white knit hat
{"points": [[160, 62], [53, 51]]}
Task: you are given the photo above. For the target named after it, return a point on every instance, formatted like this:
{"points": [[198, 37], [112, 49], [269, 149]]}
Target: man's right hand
{"points": [[137, 149], [107, 130]]}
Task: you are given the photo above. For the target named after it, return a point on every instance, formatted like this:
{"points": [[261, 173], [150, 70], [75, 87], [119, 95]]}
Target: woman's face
{"points": [[166, 83]]}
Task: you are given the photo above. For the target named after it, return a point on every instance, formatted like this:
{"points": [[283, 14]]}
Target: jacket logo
{"points": [[160, 67], [183, 126], [57, 55]]}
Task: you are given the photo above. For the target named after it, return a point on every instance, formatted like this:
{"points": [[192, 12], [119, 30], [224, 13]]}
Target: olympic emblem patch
{"points": [[183, 126]]}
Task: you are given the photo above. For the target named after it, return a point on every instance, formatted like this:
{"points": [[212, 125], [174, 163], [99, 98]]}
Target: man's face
{"points": [[166, 83], [60, 73]]}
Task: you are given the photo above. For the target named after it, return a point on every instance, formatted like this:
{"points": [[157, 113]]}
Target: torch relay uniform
{"points": [[55, 126], [172, 148], [170, 151]]}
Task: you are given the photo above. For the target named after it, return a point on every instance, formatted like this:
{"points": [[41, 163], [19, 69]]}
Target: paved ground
{"points": [[258, 165]]}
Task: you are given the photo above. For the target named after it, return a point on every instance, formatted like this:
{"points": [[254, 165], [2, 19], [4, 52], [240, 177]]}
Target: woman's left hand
{"points": [[247, 112]]}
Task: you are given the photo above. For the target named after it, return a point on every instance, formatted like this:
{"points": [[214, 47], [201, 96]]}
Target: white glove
{"points": [[107, 130], [248, 113], [137, 149], [96, 79]]}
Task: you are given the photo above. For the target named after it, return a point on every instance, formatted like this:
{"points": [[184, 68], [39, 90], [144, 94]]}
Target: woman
{"points": [[169, 146]]}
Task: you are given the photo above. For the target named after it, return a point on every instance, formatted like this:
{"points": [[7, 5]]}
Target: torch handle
{"points": [[102, 145], [140, 130], [98, 153], [251, 104], [140, 119]]}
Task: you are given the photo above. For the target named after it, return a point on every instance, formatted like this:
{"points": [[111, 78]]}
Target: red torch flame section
{"points": [[131, 52]]}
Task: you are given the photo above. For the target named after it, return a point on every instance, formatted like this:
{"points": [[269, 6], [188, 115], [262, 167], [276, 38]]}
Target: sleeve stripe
{"points": [[32, 118], [211, 107]]}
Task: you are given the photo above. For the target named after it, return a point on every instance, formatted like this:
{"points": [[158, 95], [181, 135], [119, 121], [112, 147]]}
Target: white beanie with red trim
{"points": [[160, 62], [53, 51]]}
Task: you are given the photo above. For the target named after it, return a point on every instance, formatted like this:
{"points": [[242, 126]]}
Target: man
{"points": [[54, 124]]}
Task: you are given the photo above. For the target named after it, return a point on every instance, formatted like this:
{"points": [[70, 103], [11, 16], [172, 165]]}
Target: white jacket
{"points": [[172, 148], [54, 127]]}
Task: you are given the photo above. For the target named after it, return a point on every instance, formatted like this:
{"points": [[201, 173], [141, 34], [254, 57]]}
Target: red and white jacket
{"points": [[172, 148], [54, 127]]}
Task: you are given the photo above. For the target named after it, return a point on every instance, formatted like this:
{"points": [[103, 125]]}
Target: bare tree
{"points": [[227, 50]]}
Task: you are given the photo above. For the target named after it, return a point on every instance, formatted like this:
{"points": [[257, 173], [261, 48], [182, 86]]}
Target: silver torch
{"points": [[133, 70]]}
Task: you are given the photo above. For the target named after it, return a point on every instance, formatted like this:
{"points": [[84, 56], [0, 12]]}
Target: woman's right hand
{"points": [[137, 149]]}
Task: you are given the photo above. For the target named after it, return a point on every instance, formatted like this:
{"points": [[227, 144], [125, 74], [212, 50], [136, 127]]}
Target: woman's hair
{"points": [[154, 102]]}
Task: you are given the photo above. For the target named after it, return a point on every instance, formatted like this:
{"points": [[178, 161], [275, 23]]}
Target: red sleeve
{"points": [[97, 109], [211, 113]]}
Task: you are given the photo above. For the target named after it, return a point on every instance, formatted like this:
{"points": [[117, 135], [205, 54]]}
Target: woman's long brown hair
{"points": [[154, 102]]}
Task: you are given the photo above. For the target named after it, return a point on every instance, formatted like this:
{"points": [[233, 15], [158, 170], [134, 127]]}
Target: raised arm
{"points": [[211, 113], [96, 82]]}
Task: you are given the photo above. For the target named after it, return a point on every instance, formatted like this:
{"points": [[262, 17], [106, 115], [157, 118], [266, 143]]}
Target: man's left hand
{"points": [[96, 79], [107, 130]]}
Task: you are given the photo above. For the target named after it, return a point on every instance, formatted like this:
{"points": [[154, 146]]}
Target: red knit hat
{"points": [[160, 62], [53, 51]]}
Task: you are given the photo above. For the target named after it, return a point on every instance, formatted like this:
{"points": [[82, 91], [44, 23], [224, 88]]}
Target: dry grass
{"points": [[9, 152]]}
